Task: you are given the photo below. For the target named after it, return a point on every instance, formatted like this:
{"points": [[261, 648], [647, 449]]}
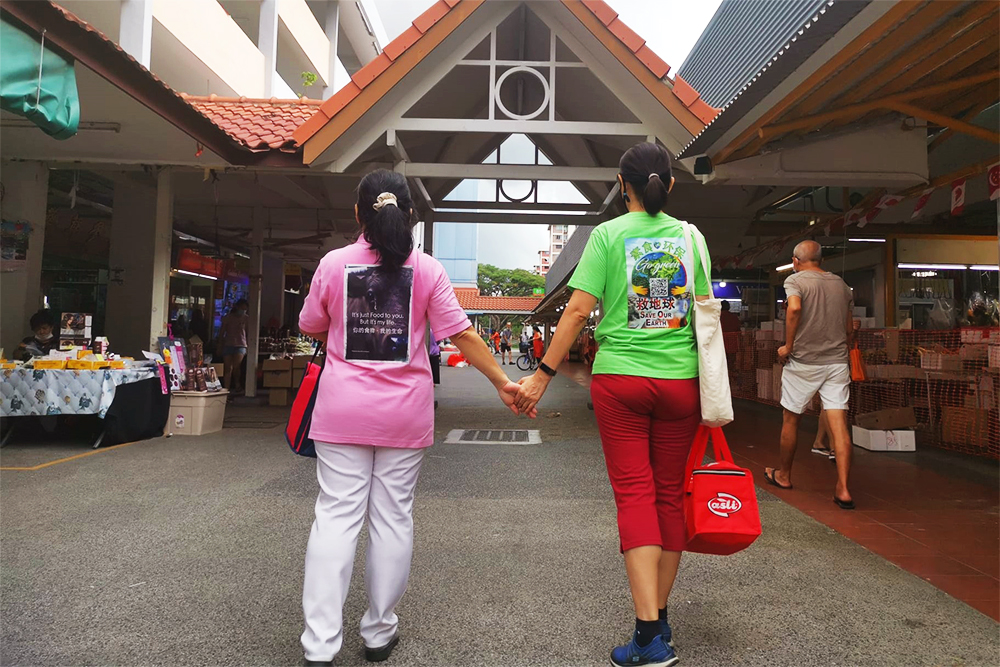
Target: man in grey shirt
{"points": [[818, 330]]}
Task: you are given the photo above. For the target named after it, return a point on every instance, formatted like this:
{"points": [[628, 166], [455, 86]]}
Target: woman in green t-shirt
{"points": [[645, 383]]}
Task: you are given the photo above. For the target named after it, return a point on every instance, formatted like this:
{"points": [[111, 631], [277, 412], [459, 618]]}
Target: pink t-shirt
{"points": [[376, 388]]}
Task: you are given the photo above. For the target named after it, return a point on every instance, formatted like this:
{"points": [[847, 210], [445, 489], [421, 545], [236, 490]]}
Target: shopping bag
{"points": [[713, 370], [300, 420], [858, 373], [720, 502]]}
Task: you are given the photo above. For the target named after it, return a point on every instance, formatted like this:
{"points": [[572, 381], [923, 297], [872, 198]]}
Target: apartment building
{"points": [[558, 237]]}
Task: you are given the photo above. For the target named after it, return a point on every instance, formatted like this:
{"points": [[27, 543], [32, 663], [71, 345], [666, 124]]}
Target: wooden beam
{"points": [[770, 131], [950, 123], [927, 55], [978, 102], [871, 59], [289, 189], [885, 23], [945, 179]]}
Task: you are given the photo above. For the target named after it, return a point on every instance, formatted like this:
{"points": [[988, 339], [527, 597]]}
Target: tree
{"points": [[508, 282]]}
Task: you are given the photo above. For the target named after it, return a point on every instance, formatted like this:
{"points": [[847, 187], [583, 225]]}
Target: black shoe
{"points": [[317, 663], [382, 653]]}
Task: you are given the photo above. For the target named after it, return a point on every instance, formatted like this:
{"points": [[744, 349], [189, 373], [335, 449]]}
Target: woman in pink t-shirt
{"points": [[371, 303]]}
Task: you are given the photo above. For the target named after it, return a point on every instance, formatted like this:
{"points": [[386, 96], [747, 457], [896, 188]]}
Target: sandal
{"points": [[772, 481], [844, 504]]}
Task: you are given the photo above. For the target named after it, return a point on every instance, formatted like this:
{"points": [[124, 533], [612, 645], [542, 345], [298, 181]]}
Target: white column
{"points": [[26, 189], [267, 42], [141, 239], [135, 34], [256, 275], [332, 29]]}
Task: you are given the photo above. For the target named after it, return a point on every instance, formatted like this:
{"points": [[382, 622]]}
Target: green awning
{"points": [[37, 82]]}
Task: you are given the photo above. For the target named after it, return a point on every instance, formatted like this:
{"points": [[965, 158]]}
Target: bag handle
{"points": [[702, 254], [720, 447]]}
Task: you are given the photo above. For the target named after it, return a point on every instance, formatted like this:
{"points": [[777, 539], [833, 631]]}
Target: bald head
{"points": [[808, 252]]}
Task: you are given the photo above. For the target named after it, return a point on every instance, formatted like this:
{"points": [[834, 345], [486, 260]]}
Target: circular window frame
{"points": [[545, 86]]}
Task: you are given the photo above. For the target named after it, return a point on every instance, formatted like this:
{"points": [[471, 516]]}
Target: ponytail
{"points": [[385, 211], [647, 168]]}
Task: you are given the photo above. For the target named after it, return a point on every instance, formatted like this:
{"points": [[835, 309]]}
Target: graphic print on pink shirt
{"points": [[377, 312]]}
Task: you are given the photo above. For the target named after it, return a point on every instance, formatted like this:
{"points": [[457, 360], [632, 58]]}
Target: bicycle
{"points": [[527, 361]]}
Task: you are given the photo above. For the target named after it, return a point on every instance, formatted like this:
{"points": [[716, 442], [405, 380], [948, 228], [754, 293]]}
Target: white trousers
{"points": [[355, 481]]}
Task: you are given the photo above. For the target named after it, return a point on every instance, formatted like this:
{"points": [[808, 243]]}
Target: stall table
{"points": [[130, 402]]}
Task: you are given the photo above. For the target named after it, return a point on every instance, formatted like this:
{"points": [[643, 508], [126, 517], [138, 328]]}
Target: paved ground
{"points": [[189, 551]]}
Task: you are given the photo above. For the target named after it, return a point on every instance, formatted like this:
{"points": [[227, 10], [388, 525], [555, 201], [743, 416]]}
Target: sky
{"points": [[670, 28]]}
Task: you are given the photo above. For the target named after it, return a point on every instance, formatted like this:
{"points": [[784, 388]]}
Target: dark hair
{"points": [[41, 318], [646, 167], [243, 302], [725, 306], [387, 229]]}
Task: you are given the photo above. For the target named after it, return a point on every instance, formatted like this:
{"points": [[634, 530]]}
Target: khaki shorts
{"points": [[800, 382]]}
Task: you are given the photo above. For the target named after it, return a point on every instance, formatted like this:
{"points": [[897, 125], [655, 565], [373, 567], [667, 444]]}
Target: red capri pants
{"points": [[647, 427]]}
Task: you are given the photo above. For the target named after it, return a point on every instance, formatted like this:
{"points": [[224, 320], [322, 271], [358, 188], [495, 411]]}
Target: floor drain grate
{"points": [[494, 437]]}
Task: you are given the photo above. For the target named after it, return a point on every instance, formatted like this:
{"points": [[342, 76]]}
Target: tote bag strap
{"points": [[697, 241], [697, 454]]}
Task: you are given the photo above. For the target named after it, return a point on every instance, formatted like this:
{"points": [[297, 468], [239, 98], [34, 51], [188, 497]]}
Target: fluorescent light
{"points": [[722, 284], [785, 267], [985, 267], [866, 240], [198, 275], [932, 267]]}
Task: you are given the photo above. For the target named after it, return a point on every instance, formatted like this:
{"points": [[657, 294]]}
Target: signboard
{"points": [[538, 291]]}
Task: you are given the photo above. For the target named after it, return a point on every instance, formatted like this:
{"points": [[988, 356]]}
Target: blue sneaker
{"points": [[656, 654], [667, 632]]}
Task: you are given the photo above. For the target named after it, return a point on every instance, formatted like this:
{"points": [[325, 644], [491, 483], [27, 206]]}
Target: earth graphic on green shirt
{"points": [[658, 266]]}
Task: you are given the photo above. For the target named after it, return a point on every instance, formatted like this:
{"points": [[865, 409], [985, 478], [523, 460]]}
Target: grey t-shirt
{"points": [[821, 338]]}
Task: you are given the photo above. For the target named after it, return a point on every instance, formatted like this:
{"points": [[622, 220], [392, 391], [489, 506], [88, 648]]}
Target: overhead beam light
{"points": [[933, 267], [198, 275], [985, 267], [866, 240], [785, 267]]}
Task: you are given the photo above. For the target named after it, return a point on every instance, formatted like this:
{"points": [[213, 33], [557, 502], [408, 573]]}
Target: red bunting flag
{"points": [[924, 196], [957, 196], [889, 200], [994, 181], [869, 216]]}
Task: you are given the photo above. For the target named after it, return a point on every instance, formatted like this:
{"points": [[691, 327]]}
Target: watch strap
{"points": [[546, 369]]}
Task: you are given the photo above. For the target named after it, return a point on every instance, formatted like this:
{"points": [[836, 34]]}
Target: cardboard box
{"points": [[973, 351], [937, 361], [87, 364], [891, 344], [278, 378], [277, 365], [887, 420], [219, 370], [994, 355], [965, 426], [301, 360], [764, 334], [876, 440], [50, 364], [860, 311], [196, 412], [297, 375], [280, 397]]}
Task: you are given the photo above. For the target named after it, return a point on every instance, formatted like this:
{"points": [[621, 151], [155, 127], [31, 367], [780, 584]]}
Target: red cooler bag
{"points": [[720, 502]]}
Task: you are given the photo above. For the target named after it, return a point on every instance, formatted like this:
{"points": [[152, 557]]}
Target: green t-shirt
{"points": [[643, 270]]}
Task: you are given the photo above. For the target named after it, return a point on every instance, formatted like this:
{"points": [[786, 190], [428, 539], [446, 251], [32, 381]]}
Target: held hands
{"points": [[509, 394], [531, 388]]}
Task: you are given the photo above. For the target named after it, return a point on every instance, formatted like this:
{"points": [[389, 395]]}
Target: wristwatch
{"points": [[545, 369]]}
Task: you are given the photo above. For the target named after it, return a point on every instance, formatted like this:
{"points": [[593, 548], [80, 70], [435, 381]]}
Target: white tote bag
{"points": [[713, 371]]}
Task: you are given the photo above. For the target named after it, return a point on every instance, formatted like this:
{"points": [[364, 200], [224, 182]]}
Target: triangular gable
{"points": [[339, 113]]}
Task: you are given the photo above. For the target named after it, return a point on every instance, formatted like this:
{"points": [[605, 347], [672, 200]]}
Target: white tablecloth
{"points": [[26, 392]]}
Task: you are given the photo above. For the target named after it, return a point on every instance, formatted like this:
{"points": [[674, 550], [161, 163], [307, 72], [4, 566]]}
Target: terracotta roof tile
{"points": [[435, 13], [601, 10], [684, 91], [396, 47], [470, 299], [655, 63], [258, 124], [340, 100], [367, 74], [628, 36], [703, 110]]}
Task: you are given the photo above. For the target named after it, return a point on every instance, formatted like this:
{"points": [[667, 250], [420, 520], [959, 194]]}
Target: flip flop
{"points": [[844, 504], [771, 480]]}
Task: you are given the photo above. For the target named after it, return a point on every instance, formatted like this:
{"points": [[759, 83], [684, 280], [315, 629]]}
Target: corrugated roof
{"points": [[471, 300], [740, 39], [802, 44], [258, 124]]}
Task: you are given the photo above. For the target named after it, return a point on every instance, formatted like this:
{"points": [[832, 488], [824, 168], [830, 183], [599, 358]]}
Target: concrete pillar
{"points": [[272, 290], [141, 238], [26, 191], [135, 35], [429, 235], [332, 29], [267, 42], [256, 276]]}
